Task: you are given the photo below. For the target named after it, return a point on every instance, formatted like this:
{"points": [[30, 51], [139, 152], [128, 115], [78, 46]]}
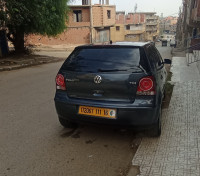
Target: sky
{"points": [[167, 7]]}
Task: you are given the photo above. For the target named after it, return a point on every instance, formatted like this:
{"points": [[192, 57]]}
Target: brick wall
{"points": [[120, 18], [85, 17], [111, 21], [135, 18], [100, 17], [71, 36], [129, 19], [97, 13]]}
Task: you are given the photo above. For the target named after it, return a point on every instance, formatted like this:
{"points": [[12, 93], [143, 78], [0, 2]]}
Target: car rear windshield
{"points": [[105, 59]]}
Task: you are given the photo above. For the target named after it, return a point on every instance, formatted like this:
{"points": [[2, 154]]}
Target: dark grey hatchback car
{"points": [[120, 84]]}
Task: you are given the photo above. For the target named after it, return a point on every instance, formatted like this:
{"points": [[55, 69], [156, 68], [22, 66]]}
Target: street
{"points": [[34, 143]]}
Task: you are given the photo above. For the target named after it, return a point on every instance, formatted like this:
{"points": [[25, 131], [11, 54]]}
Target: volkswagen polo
{"points": [[121, 84]]}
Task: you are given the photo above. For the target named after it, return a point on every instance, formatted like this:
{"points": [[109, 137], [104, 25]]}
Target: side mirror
{"points": [[167, 61]]}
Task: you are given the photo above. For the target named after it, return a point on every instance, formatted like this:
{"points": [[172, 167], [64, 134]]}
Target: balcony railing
{"points": [[151, 24], [152, 18], [151, 29]]}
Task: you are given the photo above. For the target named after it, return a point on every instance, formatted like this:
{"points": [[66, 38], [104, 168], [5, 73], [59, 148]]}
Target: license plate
{"points": [[98, 112]]}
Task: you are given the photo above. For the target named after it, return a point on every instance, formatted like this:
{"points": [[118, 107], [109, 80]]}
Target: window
{"points": [[109, 14], [155, 58], [117, 28], [128, 27], [77, 15], [83, 59]]}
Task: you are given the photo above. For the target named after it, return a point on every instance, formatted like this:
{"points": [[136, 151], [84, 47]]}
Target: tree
{"points": [[45, 17]]}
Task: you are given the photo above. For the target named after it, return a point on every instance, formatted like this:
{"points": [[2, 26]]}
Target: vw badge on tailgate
{"points": [[97, 79]]}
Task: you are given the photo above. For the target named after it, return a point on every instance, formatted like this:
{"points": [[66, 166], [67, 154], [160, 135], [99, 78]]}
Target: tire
{"points": [[67, 124], [156, 130]]}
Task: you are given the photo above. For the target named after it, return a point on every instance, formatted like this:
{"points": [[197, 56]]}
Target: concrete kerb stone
{"points": [[25, 65], [22, 63]]}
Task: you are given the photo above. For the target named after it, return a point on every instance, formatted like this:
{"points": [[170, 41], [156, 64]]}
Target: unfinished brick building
{"points": [[87, 24]]}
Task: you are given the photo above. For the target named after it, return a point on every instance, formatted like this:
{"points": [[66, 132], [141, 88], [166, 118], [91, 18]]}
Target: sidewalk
{"points": [[177, 151]]}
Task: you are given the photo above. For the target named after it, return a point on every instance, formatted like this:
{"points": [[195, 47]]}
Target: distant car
{"points": [[164, 42], [173, 43], [120, 84]]}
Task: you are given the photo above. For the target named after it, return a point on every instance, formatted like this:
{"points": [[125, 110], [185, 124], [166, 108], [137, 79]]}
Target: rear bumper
{"points": [[130, 116]]}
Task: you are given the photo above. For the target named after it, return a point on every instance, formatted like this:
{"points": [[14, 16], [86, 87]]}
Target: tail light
{"points": [[60, 82], [146, 86]]}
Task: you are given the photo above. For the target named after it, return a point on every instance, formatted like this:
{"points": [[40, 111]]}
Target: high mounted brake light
{"points": [[146, 86], [60, 82]]}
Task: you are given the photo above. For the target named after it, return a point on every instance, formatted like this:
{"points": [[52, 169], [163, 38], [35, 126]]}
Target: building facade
{"points": [[86, 24], [143, 26], [188, 27], [152, 26], [168, 25]]}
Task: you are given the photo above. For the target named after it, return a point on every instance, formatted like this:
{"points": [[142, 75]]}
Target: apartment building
{"points": [[168, 25], [152, 26], [86, 24], [188, 29], [135, 27], [143, 26]]}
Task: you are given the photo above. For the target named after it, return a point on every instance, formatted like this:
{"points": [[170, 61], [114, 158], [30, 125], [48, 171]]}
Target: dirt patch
{"points": [[178, 52], [134, 171], [169, 86]]}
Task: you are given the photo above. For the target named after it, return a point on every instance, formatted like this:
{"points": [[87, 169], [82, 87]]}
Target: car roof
{"points": [[117, 44], [131, 43]]}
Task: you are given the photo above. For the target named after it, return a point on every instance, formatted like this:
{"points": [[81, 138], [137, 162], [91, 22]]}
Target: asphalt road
{"points": [[165, 51], [32, 142]]}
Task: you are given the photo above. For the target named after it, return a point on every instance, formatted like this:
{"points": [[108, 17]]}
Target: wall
{"points": [[100, 16], [137, 28], [85, 17], [97, 13], [71, 36], [117, 36], [120, 18], [129, 19], [111, 21], [76, 33], [132, 37], [136, 18]]}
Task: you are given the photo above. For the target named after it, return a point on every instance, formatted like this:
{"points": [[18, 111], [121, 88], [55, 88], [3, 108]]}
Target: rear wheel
{"points": [[67, 124], [156, 131]]}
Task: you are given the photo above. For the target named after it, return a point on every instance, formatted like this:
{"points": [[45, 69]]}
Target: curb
{"points": [[16, 67]]}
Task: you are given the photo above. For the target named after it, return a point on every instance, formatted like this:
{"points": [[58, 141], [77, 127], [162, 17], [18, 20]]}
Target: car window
{"points": [[155, 58], [96, 59], [151, 57], [160, 60]]}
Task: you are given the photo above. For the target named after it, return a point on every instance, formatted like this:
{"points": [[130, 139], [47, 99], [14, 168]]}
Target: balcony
{"points": [[151, 24], [151, 29], [135, 32], [152, 18]]}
